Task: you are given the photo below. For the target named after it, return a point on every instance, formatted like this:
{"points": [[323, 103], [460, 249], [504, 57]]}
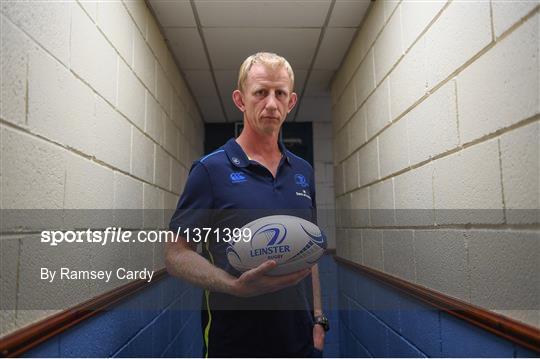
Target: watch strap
{"points": [[323, 322]]}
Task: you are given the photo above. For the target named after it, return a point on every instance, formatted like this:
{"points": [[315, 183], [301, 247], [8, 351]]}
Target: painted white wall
{"points": [[94, 115], [436, 107]]}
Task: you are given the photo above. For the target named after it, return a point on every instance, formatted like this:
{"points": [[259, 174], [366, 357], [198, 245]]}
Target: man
{"points": [[251, 313]]}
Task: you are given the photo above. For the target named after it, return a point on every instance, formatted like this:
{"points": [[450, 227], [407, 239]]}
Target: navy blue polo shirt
{"points": [[226, 190]]}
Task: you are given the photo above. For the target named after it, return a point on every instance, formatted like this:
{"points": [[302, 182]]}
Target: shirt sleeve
{"points": [[194, 206]]}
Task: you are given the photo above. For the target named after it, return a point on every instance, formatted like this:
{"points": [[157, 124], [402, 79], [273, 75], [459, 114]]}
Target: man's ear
{"points": [[238, 100], [292, 101]]}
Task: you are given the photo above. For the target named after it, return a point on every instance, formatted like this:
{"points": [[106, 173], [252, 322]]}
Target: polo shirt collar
{"points": [[236, 154], [284, 151], [238, 157]]}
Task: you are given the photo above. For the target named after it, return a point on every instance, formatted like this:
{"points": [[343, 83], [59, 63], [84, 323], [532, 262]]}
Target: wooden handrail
{"points": [[516, 332], [24, 339]]}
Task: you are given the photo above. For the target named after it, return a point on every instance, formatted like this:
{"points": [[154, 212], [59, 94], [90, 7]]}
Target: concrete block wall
{"points": [[94, 115], [436, 157], [324, 179]]}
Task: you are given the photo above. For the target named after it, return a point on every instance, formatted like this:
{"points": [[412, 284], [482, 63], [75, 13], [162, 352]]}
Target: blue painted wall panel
{"points": [[150, 299], [343, 344], [332, 337], [78, 342], [141, 344], [364, 291], [421, 325], [49, 349], [185, 339], [367, 318], [168, 291], [331, 350], [398, 347], [386, 305], [356, 319], [378, 320], [175, 348], [161, 333], [521, 352], [374, 336], [177, 315], [359, 350], [460, 339], [348, 283], [101, 335]]}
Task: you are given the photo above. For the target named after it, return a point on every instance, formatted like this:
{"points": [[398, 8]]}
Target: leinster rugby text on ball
{"points": [[118, 235]]}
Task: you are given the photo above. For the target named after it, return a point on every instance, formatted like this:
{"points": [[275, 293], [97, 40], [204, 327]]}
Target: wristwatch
{"points": [[323, 322]]}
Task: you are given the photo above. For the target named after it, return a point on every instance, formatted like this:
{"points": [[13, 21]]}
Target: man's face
{"points": [[266, 99]]}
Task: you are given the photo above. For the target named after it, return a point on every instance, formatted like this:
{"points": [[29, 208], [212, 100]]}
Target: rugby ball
{"points": [[292, 242]]}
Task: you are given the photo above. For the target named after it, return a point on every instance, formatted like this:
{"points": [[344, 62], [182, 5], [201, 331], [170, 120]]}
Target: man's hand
{"points": [[318, 337], [255, 281]]}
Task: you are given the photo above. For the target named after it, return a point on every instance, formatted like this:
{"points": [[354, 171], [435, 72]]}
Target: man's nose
{"points": [[271, 101]]}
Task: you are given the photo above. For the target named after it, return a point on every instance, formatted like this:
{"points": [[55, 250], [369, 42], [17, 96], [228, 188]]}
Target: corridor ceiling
{"points": [[211, 38]]}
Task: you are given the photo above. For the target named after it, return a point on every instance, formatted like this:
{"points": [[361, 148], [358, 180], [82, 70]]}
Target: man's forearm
{"points": [[317, 305], [192, 267], [182, 261]]}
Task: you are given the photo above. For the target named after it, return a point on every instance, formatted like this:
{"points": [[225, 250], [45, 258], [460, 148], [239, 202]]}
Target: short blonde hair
{"points": [[266, 58]]}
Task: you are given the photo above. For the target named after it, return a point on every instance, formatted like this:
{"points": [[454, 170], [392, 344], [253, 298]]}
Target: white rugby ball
{"points": [[292, 242]]}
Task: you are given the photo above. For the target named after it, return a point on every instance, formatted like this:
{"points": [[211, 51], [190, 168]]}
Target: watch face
{"points": [[323, 321]]}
